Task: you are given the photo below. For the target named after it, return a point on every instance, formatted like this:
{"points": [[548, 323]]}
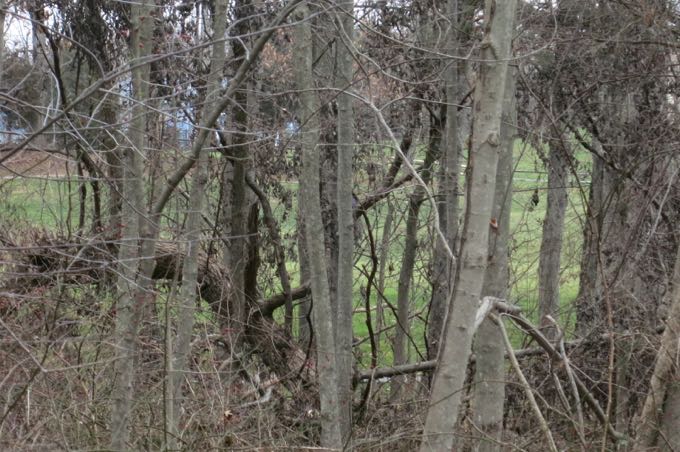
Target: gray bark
{"points": [[443, 267], [402, 334], [670, 420], [107, 115], [489, 379], [551, 240], [179, 357], [385, 243], [661, 408], [129, 307], [345, 147], [239, 202], [331, 436], [589, 281], [604, 220], [305, 306], [3, 5], [445, 397]]}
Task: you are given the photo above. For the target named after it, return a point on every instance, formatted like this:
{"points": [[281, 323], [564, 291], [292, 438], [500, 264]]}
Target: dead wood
{"points": [[44, 261]]}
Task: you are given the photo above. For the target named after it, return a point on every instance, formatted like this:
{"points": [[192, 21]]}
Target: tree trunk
{"points": [[114, 163], [551, 240], [305, 306], [385, 243], [662, 405], [331, 436], [345, 147], [402, 334], [489, 379], [239, 201], [445, 397], [589, 280], [179, 356], [129, 308], [3, 5], [443, 268], [670, 420]]}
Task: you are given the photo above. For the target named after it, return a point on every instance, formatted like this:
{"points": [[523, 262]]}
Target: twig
{"points": [[580, 426], [525, 384]]}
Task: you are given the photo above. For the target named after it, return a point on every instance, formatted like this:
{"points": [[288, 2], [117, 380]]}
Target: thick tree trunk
{"points": [[331, 436], [445, 397], [489, 379], [130, 307], [551, 240], [178, 356], [345, 147]]}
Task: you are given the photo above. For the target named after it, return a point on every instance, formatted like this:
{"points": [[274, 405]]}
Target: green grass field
{"points": [[53, 204]]}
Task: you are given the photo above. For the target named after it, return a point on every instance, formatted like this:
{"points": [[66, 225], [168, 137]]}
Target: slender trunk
{"points": [[3, 5], [114, 163], [345, 147], [445, 397], [331, 436], [670, 419], [129, 307], [385, 243], [661, 408], [305, 306], [551, 240], [402, 334], [239, 202], [443, 268], [179, 357], [594, 230], [489, 379]]}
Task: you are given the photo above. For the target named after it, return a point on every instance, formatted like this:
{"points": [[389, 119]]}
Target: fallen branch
{"points": [[510, 354], [268, 306], [555, 355], [545, 346]]}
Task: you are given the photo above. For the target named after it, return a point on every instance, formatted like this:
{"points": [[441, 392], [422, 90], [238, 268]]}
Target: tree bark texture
{"points": [[589, 276], [345, 148], [443, 267], [445, 396], [322, 313], [489, 378], [403, 334], [551, 239], [180, 352], [130, 306], [661, 410], [239, 201]]}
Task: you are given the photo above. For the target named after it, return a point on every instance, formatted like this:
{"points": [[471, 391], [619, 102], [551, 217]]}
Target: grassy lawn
{"points": [[51, 203]]}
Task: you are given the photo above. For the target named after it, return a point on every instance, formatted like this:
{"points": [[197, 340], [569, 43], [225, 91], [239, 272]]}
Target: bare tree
{"points": [[443, 410], [345, 148], [178, 351], [326, 350], [657, 426], [132, 291], [489, 378], [443, 268], [553, 232]]}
